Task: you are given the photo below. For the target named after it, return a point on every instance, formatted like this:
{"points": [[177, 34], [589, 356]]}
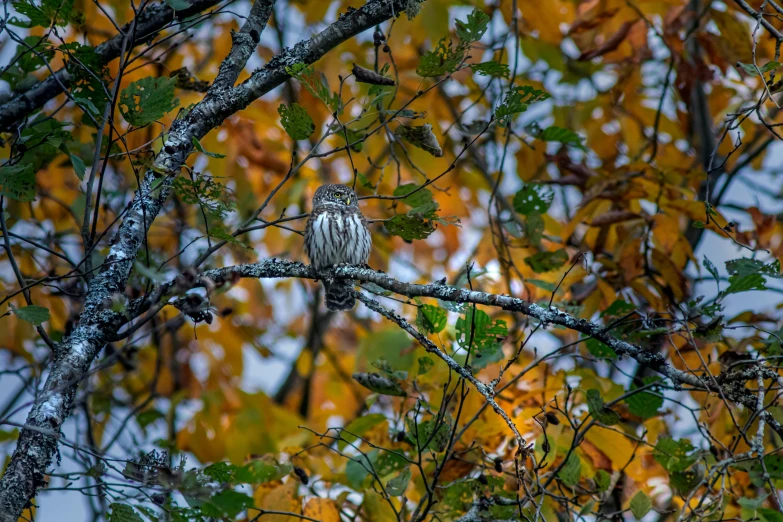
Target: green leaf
{"points": [[219, 233], [752, 503], [533, 198], [358, 427], [425, 364], [600, 412], [751, 69], [354, 138], [261, 471], [200, 148], [602, 480], [123, 513], [444, 59], [773, 468], [409, 228], [686, 481], [571, 472], [560, 135], [430, 434], [746, 267], [699, 224], [534, 228], [390, 345], [746, 283], [431, 318], [216, 200], [419, 198], [221, 471], [147, 100], [397, 486], [227, 503], [618, 308], [147, 417], [645, 404], [17, 182], [78, 166], [712, 270], [547, 261], [474, 27], [675, 455], [296, 122], [358, 468], [178, 5], [750, 274], [640, 505], [517, 100], [543, 285], [493, 68], [316, 84], [59, 11], [5, 436], [420, 136], [486, 336], [381, 464], [37, 17], [35, 315], [378, 383], [769, 515]]}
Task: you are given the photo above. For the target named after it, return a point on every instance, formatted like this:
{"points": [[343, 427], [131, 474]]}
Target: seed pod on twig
{"points": [[367, 76]]}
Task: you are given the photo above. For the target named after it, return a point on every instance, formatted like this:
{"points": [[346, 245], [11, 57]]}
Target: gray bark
{"points": [[731, 386], [37, 444]]}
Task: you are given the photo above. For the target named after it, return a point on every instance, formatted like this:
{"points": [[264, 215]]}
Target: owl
{"points": [[336, 233]]}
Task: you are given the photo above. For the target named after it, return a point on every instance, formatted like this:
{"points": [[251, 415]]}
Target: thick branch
{"points": [[151, 21], [276, 268], [243, 44], [72, 359]]}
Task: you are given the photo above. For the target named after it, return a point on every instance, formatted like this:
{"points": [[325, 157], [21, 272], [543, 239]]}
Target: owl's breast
{"points": [[333, 237]]}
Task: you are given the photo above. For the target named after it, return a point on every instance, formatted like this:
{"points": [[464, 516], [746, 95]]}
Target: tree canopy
{"points": [[571, 309]]}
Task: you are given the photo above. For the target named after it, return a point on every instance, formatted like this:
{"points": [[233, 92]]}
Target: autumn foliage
{"points": [[573, 307]]}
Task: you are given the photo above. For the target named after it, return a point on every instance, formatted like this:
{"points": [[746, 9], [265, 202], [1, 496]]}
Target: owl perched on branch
{"points": [[336, 233]]}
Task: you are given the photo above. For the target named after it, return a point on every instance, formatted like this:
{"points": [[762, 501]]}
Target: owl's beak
{"points": [[346, 199]]}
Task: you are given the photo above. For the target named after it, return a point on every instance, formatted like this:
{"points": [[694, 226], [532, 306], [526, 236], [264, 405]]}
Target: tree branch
{"points": [[151, 21], [734, 390], [73, 357]]}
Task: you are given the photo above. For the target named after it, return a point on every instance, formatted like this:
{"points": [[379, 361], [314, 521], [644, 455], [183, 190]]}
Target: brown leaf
{"points": [[251, 147], [594, 13], [614, 216], [609, 45]]}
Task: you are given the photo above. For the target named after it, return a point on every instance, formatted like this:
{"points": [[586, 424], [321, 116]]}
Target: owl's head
{"points": [[335, 195]]}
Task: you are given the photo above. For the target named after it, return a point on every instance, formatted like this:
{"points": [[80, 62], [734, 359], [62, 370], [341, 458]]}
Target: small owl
{"points": [[336, 233]]}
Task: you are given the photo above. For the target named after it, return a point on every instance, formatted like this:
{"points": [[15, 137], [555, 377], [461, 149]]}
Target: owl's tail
{"points": [[339, 295]]}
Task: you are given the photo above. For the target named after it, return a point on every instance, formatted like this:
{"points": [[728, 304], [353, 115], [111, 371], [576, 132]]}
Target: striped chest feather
{"points": [[334, 237]]}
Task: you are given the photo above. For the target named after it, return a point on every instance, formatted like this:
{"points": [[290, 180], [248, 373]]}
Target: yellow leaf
{"points": [[304, 363], [377, 509], [282, 500], [322, 509], [615, 446], [735, 31]]}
